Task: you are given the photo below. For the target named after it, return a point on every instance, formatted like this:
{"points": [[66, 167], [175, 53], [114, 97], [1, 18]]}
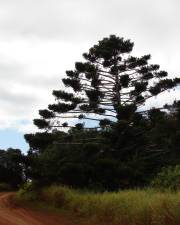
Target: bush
{"points": [[28, 192], [168, 178]]}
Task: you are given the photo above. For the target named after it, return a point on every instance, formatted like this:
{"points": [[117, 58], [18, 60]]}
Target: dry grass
{"points": [[134, 207]]}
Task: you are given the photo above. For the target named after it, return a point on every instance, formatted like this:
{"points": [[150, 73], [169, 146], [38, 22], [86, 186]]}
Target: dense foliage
{"points": [[168, 178], [107, 142], [12, 166]]}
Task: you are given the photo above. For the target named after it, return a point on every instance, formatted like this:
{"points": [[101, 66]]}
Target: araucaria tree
{"points": [[108, 86]]}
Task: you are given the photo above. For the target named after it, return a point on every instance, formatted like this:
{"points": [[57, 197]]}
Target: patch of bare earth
{"points": [[11, 214]]}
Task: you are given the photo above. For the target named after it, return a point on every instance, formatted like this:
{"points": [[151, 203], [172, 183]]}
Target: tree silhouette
{"points": [[108, 86]]}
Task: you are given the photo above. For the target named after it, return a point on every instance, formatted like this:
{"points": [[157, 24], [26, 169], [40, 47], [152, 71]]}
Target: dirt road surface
{"points": [[14, 215]]}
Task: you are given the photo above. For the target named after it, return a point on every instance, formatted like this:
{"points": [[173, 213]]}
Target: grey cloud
{"points": [[8, 69], [12, 72], [85, 19], [38, 81], [154, 27], [7, 96]]}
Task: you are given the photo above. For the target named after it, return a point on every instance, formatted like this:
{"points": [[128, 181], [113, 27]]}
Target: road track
{"points": [[11, 214]]}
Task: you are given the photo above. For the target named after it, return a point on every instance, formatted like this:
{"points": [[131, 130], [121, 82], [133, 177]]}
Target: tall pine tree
{"points": [[108, 86]]}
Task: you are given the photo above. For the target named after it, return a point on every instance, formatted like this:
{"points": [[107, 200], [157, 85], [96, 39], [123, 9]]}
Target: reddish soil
{"points": [[11, 214]]}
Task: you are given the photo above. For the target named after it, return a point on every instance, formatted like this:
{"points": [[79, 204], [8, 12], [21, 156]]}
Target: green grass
{"points": [[130, 207]]}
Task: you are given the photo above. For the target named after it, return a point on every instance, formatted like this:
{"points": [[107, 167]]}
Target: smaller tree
{"points": [[12, 166]]}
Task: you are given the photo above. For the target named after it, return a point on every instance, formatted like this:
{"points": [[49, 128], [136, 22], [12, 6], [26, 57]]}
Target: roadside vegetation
{"points": [[128, 207], [158, 204]]}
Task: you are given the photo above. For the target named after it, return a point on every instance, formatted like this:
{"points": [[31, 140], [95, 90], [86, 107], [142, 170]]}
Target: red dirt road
{"points": [[14, 215]]}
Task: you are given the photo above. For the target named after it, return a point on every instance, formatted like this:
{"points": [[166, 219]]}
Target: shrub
{"points": [[28, 192], [168, 178], [56, 195]]}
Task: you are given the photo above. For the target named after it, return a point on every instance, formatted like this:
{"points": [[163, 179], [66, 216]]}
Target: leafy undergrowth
{"points": [[136, 207]]}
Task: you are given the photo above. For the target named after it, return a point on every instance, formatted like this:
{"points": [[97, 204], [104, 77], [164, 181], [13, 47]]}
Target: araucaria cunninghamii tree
{"points": [[108, 86]]}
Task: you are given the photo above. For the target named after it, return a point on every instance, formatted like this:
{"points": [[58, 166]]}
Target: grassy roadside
{"points": [[136, 207]]}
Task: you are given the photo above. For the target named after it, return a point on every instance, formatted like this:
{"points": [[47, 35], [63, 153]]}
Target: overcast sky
{"points": [[40, 39]]}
